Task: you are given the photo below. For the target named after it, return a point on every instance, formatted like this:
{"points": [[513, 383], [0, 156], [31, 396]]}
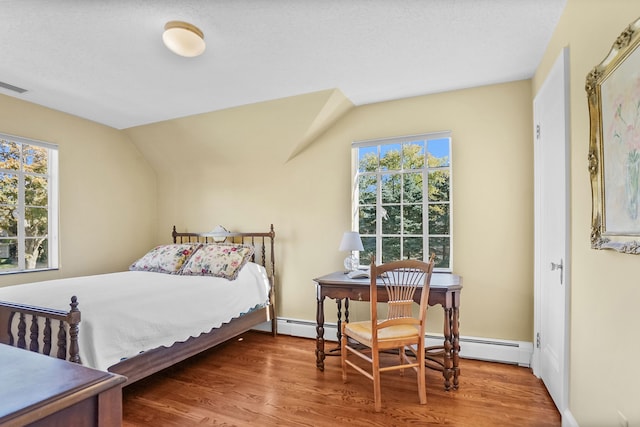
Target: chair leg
{"points": [[375, 370], [422, 383], [401, 353]]}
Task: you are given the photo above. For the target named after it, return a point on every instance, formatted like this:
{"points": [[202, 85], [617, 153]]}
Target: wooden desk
{"points": [[444, 290], [39, 390]]}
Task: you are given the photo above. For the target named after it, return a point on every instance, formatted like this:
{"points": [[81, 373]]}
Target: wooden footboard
{"points": [[47, 329]]}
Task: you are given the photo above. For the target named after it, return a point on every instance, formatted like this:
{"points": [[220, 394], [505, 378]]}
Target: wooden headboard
{"points": [[264, 253], [263, 243]]}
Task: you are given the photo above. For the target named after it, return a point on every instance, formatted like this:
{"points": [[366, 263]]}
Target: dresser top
{"points": [[31, 380]]}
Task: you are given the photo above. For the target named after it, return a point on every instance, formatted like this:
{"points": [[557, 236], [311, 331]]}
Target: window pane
{"points": [[35, 159], [390, 249], [368, 159], [43, 257], [367, 220], [439, 186], [412, 248], [28, 186], [36, 222], [391, 219], [8, 255], [408, 180], [412, 219], [441, 247], [390, 157], [35, 254], [391, 187], [9, 189], [369, 244], [413, 155], [439, 219], [412, 187], [9, 155], [367, 189], [36, 190], [439, 152], [8, 222]]}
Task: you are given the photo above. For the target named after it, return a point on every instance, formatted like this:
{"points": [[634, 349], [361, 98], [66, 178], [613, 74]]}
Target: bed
{"points": [[138, 322]]}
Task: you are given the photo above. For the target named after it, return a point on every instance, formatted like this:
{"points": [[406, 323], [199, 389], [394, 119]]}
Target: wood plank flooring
{"points": [[259, 380]]}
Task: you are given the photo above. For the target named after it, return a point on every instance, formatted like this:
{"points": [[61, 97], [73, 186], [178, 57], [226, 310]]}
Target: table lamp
{"points": [[351, 242]]}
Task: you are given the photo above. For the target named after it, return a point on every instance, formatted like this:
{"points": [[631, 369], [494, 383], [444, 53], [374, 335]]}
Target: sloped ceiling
{"points": [[334, 108], [104, 60], [277, 129]]}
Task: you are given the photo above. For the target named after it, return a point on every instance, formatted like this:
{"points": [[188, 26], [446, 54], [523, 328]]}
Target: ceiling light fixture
{"points": [[183, 38]]}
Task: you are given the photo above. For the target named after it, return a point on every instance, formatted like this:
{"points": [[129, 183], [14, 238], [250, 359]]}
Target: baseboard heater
{"points": [[494, 350]]}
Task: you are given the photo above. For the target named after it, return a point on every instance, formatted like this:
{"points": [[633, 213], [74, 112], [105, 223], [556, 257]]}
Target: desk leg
{"points": [[339, 324], [346, 310], [336, 350], [346, 317], [456, 346], [320, 334], [447, 369]]}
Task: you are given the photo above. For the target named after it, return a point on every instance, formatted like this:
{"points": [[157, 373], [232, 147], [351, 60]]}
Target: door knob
{"points": [[559, 266]]}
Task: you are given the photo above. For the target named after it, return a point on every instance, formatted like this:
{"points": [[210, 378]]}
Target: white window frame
{"points": [[52, 208], [425, 202]]}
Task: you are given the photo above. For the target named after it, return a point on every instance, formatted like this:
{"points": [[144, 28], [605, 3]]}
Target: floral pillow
{"points": [[219, 260], [165, 258]]}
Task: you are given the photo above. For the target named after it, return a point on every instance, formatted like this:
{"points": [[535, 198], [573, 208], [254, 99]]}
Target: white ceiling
{"points": [[105, 61]]}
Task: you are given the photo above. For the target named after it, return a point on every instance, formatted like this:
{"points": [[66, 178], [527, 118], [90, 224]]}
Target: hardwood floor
{"points": [[258, 380]]}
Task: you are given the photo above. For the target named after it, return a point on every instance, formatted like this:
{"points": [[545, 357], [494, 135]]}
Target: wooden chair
{"points": [[401, 330]]}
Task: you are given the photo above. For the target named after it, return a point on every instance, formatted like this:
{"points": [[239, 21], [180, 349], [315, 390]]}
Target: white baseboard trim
{"points": [[568, 420], [493, 350]]}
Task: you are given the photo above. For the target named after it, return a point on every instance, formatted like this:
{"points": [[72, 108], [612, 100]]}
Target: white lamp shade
{"points": [[183, 38], [351, 241]]}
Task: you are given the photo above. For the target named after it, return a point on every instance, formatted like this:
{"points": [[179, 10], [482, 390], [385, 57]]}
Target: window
{"points": [[28, 205], [402, 198]]}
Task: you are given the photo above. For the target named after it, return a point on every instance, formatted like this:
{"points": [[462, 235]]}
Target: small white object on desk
{"points": [[359, 274]]}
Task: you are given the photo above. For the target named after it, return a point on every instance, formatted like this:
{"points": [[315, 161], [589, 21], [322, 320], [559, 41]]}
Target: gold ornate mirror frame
{"points": [[613, 92]]}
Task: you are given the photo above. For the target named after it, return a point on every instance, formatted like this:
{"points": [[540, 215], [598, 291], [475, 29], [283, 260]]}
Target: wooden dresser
{"points": [[38, 390]]}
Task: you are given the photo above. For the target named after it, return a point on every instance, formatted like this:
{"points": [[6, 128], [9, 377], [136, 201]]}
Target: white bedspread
{"points": [[126, 313]]}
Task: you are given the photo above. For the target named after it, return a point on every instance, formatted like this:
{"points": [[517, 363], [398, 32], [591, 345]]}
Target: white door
{"points": [[551, 281]]}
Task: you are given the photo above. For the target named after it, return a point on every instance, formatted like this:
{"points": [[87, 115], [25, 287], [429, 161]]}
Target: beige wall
{"points": [[231, 168], [605, 289], [107, 191]]}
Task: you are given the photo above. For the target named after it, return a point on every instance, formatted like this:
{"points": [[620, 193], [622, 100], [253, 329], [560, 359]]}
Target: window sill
{"points": [[35, 270]]}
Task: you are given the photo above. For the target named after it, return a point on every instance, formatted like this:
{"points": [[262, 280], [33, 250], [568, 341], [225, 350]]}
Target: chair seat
{"points": [[361, 331]]}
